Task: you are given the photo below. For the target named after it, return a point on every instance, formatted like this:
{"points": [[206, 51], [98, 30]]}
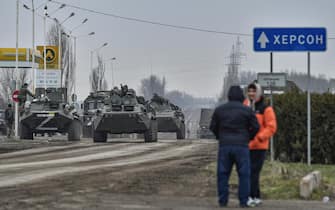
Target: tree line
{"points": [[318, 84], [154, 84]]}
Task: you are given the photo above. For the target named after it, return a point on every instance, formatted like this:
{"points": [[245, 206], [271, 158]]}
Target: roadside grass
{"points": [[280, 181]]}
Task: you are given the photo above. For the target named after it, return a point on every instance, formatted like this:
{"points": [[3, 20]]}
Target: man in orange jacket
{"points": [[259, 145]]}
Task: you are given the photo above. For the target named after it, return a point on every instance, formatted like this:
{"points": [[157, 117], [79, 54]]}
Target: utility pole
{"points": [[112, 69], [17, 69], [44, 47], [33, 43], [309, 141], [60, 52], [75, 64], [271, 104], [75, 55]]}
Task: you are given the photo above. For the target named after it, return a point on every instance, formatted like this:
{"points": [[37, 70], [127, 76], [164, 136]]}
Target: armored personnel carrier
{"points": [[48, 113], [91, 104], [170, 117], [125, 113]]}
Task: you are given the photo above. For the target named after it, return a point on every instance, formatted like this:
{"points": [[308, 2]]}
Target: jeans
{"points": [[227, 157], [257, 158]]}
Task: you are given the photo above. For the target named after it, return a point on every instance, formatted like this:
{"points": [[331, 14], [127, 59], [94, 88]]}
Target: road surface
{"points": [[121, 174]]}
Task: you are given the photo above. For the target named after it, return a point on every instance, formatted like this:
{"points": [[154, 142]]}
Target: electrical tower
{"points": [[234, 63]]}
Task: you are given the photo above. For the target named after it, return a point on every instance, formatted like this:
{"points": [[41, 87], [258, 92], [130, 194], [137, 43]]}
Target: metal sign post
{"points": [[271, 104], [293, 39], [16, 126], [309, 141], [270, 81]]}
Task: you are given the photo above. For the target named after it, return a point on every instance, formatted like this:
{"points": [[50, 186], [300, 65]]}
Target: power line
{"points": [[158, 23], [153, 22]]}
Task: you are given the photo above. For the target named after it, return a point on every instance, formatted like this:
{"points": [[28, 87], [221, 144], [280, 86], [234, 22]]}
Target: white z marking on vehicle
{"points": [[40, 127]]}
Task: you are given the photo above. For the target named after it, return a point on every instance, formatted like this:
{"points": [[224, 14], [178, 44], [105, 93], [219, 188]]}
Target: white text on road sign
{"points": [[297, 39]]}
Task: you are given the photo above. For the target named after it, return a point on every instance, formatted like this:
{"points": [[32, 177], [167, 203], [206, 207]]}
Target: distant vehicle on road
{"points": [[204, 122], [49, 113], [170, 117]]}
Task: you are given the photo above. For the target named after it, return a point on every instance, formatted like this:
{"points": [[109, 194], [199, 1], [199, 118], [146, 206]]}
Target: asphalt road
{"points": [[121, 174]]}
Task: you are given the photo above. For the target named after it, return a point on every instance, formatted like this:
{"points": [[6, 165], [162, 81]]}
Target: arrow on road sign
{"points": [[263, 40]]}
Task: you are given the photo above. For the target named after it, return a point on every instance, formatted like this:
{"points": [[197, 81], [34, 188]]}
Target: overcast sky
{"points": [[191, 61]]}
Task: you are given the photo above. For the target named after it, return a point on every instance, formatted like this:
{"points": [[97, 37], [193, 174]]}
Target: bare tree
{"points": [[68, 63], [319, 84], [7, 85], [152, 85], [97, 77]]}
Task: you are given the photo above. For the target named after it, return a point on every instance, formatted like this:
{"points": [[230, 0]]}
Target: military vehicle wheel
{"points": [[151, 135], [181, 132], [99, 136], [25, 133], [74, 131]]}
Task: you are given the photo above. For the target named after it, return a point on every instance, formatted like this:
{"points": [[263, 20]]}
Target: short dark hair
{"points": [[252, 86], [9, 105]]}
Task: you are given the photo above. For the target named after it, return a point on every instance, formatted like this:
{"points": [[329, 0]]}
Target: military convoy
{"points": [[49, 113], [170, 117], [119, 111]]}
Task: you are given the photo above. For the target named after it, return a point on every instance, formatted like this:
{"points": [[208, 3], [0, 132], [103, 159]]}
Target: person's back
{"points": [[233, 124]]}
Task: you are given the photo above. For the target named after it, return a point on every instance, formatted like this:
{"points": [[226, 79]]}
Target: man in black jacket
{"points": [[234, 125]]}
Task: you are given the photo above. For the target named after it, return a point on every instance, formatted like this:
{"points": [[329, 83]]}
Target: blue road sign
{"points": [[290, 39]]}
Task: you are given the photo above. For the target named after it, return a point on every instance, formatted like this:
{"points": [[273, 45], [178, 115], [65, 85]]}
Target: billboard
{"points": [[51, 57], [8, 57]]}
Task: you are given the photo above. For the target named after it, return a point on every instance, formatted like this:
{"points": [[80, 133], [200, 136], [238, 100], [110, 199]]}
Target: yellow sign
{"points": [[8, 57], [51, 57], [9, 54]]}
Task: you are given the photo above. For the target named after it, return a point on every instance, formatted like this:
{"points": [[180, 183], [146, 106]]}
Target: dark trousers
{"points": [[227, 157], [257, 158]]}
